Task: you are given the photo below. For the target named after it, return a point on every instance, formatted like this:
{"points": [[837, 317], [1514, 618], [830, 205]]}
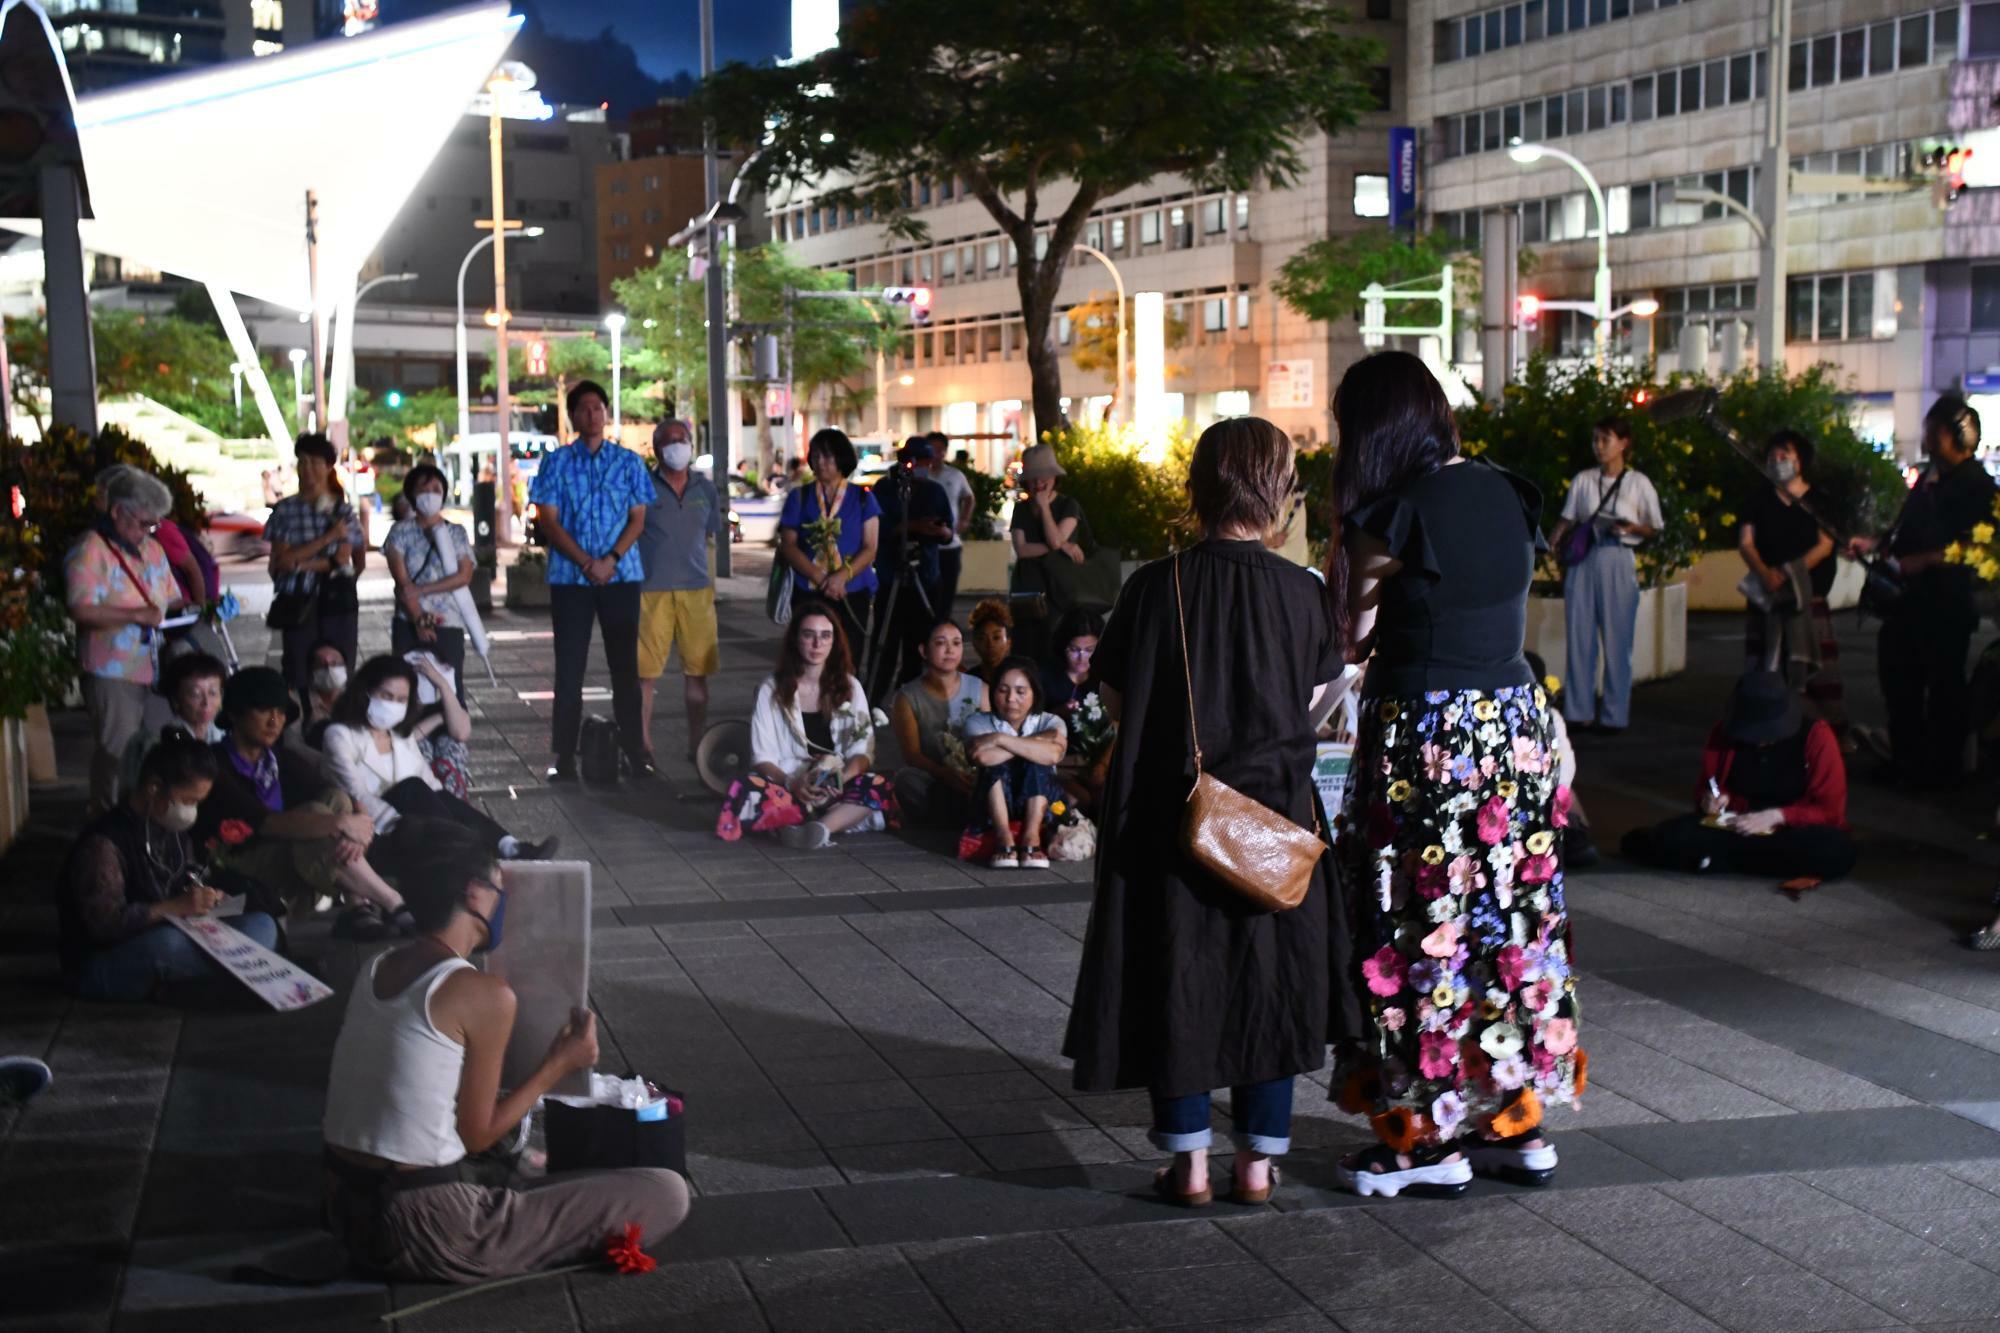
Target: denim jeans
{"points": [[1020, 781], [1260, 1116], [132, 970]]}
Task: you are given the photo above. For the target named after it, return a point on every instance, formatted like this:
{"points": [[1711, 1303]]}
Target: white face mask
{"points": [[430, 504], [676, 456], [330, 679], [386, 714], [1783, 470], [178, 817]]}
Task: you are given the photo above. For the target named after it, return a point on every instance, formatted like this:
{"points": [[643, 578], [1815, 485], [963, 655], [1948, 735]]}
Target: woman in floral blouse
{"points": [[1451, 839], [812, 745]]}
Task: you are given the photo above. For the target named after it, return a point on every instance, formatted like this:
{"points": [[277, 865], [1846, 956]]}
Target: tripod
{"points": [[907, 559]]}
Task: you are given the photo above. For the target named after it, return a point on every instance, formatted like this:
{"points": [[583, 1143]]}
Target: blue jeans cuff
{"points": [[1263, 1143], [1192, 1141]]}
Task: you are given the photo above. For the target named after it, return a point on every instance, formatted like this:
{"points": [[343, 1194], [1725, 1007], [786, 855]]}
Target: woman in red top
{"points": [[1772, 799]]}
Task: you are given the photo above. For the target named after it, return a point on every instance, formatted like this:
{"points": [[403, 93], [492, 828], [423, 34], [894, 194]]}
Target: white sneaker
{"points": [[1440, 1180], [1034, 858], [1005, 859]]}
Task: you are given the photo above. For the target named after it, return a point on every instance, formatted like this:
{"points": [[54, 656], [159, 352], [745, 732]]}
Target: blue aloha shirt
{"points": [[594, 495]]}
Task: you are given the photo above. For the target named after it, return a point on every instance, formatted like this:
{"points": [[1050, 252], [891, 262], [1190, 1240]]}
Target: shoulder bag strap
{"points": [[1187, 665]]}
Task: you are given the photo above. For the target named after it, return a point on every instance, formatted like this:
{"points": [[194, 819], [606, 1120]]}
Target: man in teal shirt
{"points": [[590, 504]]}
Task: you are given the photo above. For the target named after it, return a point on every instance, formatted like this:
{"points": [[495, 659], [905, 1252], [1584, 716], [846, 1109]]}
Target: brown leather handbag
{"points": [[1244, 843]]}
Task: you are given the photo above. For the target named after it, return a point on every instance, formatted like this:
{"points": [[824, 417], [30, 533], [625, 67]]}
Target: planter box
{"points": [[482, 589], [1659, 646], [1711, 583], [13, 779], [984, 568], [527, 587]]}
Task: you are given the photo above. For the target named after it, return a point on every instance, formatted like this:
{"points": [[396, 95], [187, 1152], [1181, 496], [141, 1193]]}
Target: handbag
{"points": [[339, 597], [290, 610], [778, 596], [1244, 843], [1582, 539]]}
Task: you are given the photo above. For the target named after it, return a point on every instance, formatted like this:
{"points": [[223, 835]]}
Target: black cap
{"points": [[916, 449], [258, 687], [1762, 709]]}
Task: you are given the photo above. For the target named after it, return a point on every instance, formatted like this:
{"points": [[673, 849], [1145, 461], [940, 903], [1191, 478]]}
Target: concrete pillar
{"points": [[1499, 292], [72, 353]]}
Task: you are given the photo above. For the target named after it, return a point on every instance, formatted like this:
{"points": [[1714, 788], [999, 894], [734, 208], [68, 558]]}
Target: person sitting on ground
{"points": [[1016, 747], [1579, 849], [1072, 694], [415, 1086], [134, 867], [934, 785], [992, 623], [1075, 639], [306, 841], [371, 753], [812, 744], [1773, 796], [189, 698], [327, 683]]}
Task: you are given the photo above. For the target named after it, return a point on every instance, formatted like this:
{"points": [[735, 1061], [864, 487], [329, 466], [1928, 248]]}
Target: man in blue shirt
{"points": [[590, 502]]}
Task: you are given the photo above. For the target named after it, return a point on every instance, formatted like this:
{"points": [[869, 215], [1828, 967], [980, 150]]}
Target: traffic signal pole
{"points": [[1774, 193], [717, 302]]}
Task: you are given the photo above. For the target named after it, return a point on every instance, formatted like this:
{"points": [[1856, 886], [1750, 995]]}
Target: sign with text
{"points": [[1402, 175], [277, 982], [1288, 384], [1333, 763]]}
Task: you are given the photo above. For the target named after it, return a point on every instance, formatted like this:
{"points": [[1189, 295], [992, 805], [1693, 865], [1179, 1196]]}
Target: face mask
{"points": [[430, 504], [330, 679], [385, 714], [1783, 470], [178, 817], [677, 456], [494, 924]]}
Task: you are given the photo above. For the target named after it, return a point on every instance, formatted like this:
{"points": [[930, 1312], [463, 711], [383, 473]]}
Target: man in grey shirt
{"points": [[677, 599], [951, 556]]}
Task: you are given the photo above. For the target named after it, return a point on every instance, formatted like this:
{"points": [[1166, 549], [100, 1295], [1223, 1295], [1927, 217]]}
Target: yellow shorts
{"points": [[686, 618]]}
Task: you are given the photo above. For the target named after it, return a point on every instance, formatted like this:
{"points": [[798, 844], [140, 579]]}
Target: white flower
{"points": [[1448, 1112], [1442, 909], [1510, 1073], [1501, 1040]]}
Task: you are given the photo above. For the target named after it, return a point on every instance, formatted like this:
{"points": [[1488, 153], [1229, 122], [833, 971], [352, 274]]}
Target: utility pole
{"points": [[1499, 298], [503, 466], [718, 313], [1774, 192], [317, 325]]}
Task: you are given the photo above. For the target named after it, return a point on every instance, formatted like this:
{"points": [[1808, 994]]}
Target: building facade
{"points": [[1212, 254], [110, 45], [1658, 96]]}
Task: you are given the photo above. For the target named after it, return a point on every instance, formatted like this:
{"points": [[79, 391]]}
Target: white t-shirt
{"points": [[957, 489], [1034, 724], [1635, 501]]}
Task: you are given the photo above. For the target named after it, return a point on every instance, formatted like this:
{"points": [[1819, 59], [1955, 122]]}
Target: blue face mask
{"points": [[495, 924]]}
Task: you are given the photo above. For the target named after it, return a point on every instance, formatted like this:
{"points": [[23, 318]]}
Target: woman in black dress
{"points": [[1451, 839], [1185, 985]]}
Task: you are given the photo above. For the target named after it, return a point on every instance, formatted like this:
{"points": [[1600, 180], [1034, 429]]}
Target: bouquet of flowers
{"points": [[952, 746], [1091, 728], [1980, 551], [823, 535]]}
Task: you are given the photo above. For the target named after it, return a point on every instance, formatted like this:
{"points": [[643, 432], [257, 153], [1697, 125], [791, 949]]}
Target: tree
{"points": [[1045, 108], [1323, 282], [832, 341], [1095, 326], [179, 362]]}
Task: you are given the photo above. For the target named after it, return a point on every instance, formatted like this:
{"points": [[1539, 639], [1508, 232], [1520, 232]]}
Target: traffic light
{"points": [[1946, 163], [918, 299], [393, 399], [1528, 311]]}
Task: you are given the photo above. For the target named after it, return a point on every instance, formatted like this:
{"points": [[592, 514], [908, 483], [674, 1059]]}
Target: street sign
{"points": [[1988, 382], [1402, 175], [1288, 384]]}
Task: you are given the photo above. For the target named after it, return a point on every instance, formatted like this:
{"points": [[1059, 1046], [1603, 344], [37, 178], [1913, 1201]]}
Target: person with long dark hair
{"points": [[1187, 985], [1454, 821], [812, 745]]}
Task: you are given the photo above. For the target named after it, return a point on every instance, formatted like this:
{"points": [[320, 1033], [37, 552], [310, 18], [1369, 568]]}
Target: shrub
{"points": [[989, 497], [58, 501], [1132, 504]]}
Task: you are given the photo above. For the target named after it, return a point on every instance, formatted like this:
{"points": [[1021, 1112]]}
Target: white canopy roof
{"points": [[205, 174]]}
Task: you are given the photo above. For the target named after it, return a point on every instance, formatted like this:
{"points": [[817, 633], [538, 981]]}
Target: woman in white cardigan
{"points": [[371, 753], [812, 745]]}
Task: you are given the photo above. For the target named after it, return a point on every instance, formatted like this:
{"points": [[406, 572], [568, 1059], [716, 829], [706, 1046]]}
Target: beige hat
{"points": [[1039, 460]]}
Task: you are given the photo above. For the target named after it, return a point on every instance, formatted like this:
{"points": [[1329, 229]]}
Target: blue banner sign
{"points": [[1402, 176]]}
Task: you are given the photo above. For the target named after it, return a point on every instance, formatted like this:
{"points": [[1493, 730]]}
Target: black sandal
{"points": [[1509, 1160], [1429, 1175]]}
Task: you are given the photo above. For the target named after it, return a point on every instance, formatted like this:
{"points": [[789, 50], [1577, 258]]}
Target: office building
{"points": [[109, 45]]}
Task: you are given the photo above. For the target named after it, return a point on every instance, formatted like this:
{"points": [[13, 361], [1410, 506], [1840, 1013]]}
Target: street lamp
{"points": [[236, 388], [298, 384], [1118, 390], [344, 345], [464, 401], [616, 323], [1528, 154]]}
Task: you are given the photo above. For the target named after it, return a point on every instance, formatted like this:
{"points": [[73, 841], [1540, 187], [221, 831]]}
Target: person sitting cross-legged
{"points": [[415, 1087], [1016, 748], [1773, 796]]}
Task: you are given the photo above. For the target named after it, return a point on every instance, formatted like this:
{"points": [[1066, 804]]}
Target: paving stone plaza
{"points": [[1793, 1122]]}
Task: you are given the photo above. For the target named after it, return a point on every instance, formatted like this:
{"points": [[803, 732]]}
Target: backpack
{"points": [[598, 751]]}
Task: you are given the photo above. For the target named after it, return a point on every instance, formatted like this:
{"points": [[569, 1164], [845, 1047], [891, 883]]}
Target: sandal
{"points": [[1163, 1185], [1034, 858], [1801, 885], [1427, 1177], [1509, 1160], [1006, 858], [1984, 940], [1237, 1194]]}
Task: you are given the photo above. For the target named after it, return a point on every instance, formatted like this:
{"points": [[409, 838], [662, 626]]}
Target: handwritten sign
{"points": [[276, 982], [1332, 762]]}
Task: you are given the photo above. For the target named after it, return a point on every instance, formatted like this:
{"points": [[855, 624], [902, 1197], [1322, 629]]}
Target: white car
{"points": [[753, 515]]}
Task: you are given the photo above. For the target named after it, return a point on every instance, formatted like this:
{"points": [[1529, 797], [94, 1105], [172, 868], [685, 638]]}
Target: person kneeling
{"points": [[134, 867], [415, 1087], [1773, 799], [1016, 748]]}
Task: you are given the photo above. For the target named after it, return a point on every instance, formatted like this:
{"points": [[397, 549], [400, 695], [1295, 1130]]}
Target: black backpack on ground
{"points": [[598, 751]]}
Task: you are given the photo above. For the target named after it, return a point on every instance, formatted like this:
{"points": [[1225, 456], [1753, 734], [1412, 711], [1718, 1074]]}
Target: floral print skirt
{"points": [[1452, 843], [756, 804]]}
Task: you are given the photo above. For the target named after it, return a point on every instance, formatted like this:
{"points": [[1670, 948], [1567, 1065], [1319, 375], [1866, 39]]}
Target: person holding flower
{"points": [[1072, 694], [828, 532], [1453, 827], [1186, 985], [812, 745], [928, 715], [1015, 747]]}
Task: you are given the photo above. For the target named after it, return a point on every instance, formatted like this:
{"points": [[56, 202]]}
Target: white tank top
{"points": [[393, 1089]]}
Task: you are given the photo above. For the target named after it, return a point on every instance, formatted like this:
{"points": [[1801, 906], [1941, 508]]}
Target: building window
{"points": [[948, 265], [1986, 298], [1242, 310], [267, 15], [1149, 227], [1214, 217], [1371, 195], [653, 183], [1232, 403], [1117, 234], [1832, 307], [1214, 315], [992, 257]]}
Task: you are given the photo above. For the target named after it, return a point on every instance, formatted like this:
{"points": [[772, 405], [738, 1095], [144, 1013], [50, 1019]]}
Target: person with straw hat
{"points": [[1055, 553]]}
